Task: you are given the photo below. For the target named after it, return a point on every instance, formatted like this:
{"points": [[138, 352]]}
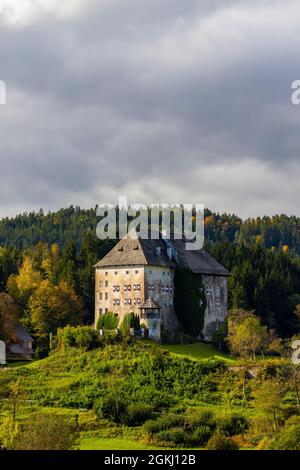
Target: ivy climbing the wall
{"points": [[190, 301]]}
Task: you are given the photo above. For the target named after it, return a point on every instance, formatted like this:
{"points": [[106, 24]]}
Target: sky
{"points": [[163, 101]]}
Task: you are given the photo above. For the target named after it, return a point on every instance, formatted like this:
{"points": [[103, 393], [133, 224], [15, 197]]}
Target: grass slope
{"points": [[197, 351]]}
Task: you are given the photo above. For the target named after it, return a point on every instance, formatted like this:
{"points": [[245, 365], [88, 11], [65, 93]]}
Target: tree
{"points": [[68, 264], [8, 316], [22, 285], [246, 335], [267, 399], [53, 307]]}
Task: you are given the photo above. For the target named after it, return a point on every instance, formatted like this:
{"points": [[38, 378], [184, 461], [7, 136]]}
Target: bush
{"points": [[46, 432], [288, 439], [153, 427], [219, 442], [205, 418], [130, 320], [233, 425], [201, 435], [173, 437], [112, 408], [83, 337], [137, 414], [107, 321]]}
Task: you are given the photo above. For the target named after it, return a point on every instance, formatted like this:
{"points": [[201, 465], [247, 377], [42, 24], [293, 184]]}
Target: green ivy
{"points": [[190, 301]]}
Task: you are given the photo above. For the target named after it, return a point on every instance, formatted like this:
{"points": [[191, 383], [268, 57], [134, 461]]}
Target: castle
{"points": [[137, 275]]}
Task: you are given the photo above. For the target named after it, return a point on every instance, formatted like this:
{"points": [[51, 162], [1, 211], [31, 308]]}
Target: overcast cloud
{"points": [[162, 100]]}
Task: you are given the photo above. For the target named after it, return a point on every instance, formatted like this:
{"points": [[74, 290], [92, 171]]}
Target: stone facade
{"points": [[124, 289], [216, 294], [136, 271]]}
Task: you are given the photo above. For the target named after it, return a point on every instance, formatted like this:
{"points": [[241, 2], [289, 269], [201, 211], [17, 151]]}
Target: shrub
{"points": [[173, 436], [233, 425], [201, 435], [219, 442], [107, 321], [83, 337], [205, 418], [130, 320], [112, 408], [288, 439], [153, 427], [46, 432], [137, 414]]}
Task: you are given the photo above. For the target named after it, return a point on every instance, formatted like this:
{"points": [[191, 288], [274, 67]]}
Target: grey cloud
{"points": [[144, 97]]}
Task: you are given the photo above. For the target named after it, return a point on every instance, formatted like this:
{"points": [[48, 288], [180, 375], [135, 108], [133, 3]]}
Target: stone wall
{"points": [[217, 304], [159, 286], [118, 301]]}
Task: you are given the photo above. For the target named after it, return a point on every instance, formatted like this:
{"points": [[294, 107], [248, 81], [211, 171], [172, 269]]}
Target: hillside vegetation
{"points": [[136, 392], [56, 252]]}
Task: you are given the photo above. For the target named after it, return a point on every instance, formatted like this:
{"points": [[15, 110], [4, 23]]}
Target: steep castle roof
{"points": [[137, 252], [199, 261], [133, 251]]}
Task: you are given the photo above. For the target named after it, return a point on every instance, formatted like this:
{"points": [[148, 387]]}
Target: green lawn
{"points": [[113, 443], [197, 351]]}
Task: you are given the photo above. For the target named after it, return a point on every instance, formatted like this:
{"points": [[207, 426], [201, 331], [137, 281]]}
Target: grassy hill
{"points": [[186, 391]]}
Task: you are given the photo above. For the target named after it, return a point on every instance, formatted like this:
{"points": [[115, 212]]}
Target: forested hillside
{"points": [[22, 231], [43, 252]]}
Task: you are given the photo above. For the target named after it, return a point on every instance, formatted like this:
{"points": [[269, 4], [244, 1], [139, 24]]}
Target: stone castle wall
{"points": [[216, 292]]}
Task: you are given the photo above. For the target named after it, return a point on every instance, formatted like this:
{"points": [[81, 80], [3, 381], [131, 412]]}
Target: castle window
{"points": [[151, 287], [136, 301], [171, 290], [136, 287], [100, 311], [106, 295], [106, 283], [127, 287], [116, 288], [218, 303], [100, 283], [116, 272], [127, 301], [127, 272], [163, 288], [106, 273], [208, 290], [100, 296], [106, 310], [167, 288], [116, 302], [136, 272]]}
